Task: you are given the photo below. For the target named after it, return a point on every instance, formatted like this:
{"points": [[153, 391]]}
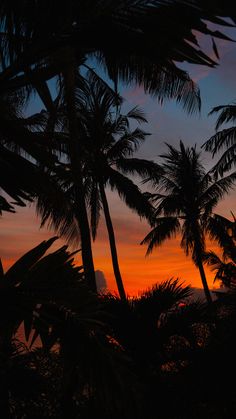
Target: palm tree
{"points": [[108, 143], [224, 139], [224, 231], [109, 146], [32, 53], [186, 196]]}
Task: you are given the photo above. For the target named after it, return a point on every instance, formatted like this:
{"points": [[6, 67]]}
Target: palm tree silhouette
{"points": [[186, 196], [224, 231], [32, 54], [108, 144], [224, 139]]}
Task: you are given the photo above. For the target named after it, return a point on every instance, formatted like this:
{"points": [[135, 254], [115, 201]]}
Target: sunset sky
{"points": [[167, 123]]}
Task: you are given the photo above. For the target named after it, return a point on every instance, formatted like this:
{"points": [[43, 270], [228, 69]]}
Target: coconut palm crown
{"points": [[185, 199]]}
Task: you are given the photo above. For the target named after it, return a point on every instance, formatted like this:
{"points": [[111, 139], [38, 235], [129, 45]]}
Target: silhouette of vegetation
{"points": [[108, 144], [185, 199], [224, 139], [99, 355], [49, 295], [223, 230], [32, 54]]}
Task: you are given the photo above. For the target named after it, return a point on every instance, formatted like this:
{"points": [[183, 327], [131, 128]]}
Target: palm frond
{"points": [[137, 114], [213, 260], [161, 299], [12, 276], [130, 193], [60, 218], [222, 230], [127, 144], [228, 114], [170, 292], [23, 180], [218, 190], [165, 228], [169, 205], [140, 167], [221, 139], [226, 162], [224, 271]]}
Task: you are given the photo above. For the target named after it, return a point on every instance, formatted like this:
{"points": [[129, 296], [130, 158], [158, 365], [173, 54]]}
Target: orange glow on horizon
{"points": [[20, 232]]}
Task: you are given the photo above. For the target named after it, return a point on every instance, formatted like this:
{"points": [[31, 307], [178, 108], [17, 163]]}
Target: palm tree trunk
{"points": [[75, 152], [112, 242], [199, 246], [204, 282]]}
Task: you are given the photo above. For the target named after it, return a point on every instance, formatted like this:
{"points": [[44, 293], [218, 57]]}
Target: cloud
{"points": [[100, 281]]}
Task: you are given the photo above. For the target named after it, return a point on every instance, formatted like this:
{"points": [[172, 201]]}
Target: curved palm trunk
{"points": [[204, 282], [74, 149], [111, 235]]}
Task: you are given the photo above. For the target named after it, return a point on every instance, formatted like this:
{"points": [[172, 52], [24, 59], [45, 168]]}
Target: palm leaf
{"points": [[217, 190], [13, 275], [130, 193], [228, 114], [137, 114], [165, 228], [224, 138], [140, 167], [222, 230], [127, 144]]}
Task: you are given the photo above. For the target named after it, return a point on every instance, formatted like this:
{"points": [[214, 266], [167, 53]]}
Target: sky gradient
{"points": [[167, 123]]}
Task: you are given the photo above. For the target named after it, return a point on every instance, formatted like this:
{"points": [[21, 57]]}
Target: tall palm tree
{"points": [[186, 196], [223, 140], [107, 146]]}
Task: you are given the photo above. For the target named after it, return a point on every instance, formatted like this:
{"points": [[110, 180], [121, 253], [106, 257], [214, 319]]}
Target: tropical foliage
{"points": [[185, 199], [223, 230], [224, 139], [107, 146], [99, 355], [32, 54]]}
